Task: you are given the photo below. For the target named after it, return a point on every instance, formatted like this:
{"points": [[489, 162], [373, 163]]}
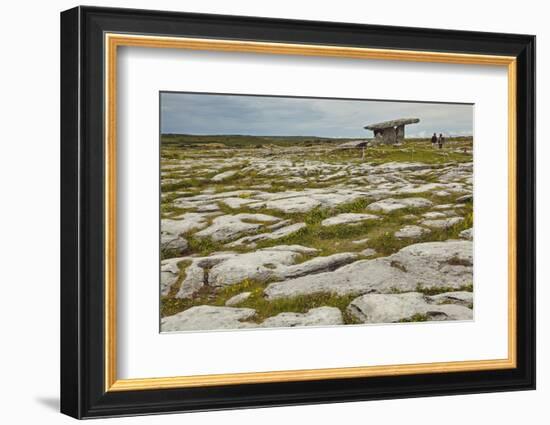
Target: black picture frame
{"points": [[83, 392]]}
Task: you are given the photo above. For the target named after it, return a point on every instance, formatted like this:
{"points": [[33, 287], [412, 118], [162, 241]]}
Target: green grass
{"points": [[326, 239], [256, 301], [442, 289]]}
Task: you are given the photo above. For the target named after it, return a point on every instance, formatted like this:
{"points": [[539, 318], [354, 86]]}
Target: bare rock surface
{"points": [[228, 268], [196, 274], [391, 308], [267, 264], [169, 273], [305, 200], [321, 316], [274, 235], [433, 215], [223, 176], [348, 218], [318, 265], [237, 299], [411, 232], [237, 202], [394, 204], [467, 234], [285, 184], [300, 204], [429, 265], [444, 223], [261, 265], [369, 252], [206, 317], [185, 223], [227, 227], [171, 242], [459, 297]]}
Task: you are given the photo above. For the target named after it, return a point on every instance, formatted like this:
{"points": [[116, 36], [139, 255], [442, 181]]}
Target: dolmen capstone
{"points": [[390, 132]]}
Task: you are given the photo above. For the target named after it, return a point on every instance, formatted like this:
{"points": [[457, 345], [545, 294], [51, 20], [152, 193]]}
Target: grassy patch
{"points": [[442, 289], [204, 246], [256, 300]]}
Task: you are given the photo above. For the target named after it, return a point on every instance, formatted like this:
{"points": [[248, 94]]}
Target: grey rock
{"points": [[169, 242], [429, 265], [299, 204], [442, 223], [210, 196], [390, 167], [223, 176], [267, 264], [394, 204], [208, 207], [321, 316], [413, 189], [185, 223], [318, 265], [369, 252], [206, 317], [237, 202], [467, 234], [354, 144], [294, 248], [348, 218], [391, 308], [459, 297], [411, 232], [277, 234], [443, 207], [169, 273], [196, 275], [433, 215], [258, 265], [237, 299], [227, 227], [305, 200]]}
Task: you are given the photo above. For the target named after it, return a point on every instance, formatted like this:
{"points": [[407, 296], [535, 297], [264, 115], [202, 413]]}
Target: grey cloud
{"points": [[193, 113]]}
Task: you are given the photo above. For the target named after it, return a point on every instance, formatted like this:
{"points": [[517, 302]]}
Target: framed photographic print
{"points": [[261, 212]]}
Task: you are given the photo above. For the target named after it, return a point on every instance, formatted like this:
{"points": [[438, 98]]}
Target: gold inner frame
{"points": [[113, 41]]}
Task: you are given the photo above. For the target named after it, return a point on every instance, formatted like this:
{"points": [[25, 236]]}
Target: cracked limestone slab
{"points": [[321, 316], [223, 176], [227, 227], [442, 223], [411, 232], [467, 234], [276, 234], [394, 204], [429, 265], [391, 308], [348, 218], [206, 317]]}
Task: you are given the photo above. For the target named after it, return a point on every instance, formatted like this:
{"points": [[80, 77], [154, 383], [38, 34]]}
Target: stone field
{"points": [[306, 234]]}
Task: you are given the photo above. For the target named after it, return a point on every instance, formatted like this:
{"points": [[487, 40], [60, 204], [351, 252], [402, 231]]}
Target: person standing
{"points": [[440, 140], [434, 140]]}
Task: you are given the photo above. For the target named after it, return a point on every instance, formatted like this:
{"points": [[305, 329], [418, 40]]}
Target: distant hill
{"points": [[237, 140], [243, 141]]}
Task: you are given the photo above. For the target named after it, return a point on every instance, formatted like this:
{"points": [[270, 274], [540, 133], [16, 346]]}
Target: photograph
{"points": [[295, 209], [282, 212]]}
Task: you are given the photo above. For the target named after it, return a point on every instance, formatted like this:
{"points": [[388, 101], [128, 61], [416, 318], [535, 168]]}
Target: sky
{"points": [[197, 113]]}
